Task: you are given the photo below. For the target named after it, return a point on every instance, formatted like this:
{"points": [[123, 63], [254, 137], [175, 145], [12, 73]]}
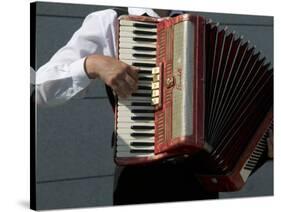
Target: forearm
{"points": [[56, 84], [64, 76]]}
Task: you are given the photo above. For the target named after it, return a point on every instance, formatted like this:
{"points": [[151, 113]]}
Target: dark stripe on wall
{"points": [[32, 109]]}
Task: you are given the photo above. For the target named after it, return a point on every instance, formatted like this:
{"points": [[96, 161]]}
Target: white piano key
{"points": [[144, 83], [130, 107], [125, 107], [131, 23], [136, 98], [133, 122], [137, 56], [136, 140], [124, 142], [130, 34], [133, 104], [145, 75], [129, 131], [132, 44], [132, 51], [126, 138], [132, 57], [145, 80], [133, 28], [134, 101], [144, 100], [126, 125], [128, 120], [136, 119], [137, 39], [129, 104], [150, 145], [138, 126], [128, 148], [129, 136], [136, 155], [129, 113], [140, 61]]}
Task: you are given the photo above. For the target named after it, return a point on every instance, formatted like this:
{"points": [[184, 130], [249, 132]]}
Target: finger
{"points": [[120, 93], [135, 68], [124, 87], [115, 89], [133, 72], [132, 83]]}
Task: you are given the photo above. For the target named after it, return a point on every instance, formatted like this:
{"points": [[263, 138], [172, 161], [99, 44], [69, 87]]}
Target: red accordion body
{"points": [[212, 96]]}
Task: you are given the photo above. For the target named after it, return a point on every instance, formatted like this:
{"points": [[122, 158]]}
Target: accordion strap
{"points": [[110, 97], [121, 11]]}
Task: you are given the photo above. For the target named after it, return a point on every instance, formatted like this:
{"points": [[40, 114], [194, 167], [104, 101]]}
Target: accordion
{"points": [[204, 93]]}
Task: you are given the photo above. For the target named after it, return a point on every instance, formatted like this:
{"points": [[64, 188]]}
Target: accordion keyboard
{"points": [[135, 115]]}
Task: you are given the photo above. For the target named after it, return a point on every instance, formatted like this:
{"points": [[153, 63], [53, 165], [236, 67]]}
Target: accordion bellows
{"points": [[204, 93]]}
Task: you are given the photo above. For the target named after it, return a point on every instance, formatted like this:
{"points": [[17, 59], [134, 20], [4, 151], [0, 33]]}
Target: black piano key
{"points": [[142, 134], [142, 127], [140, 32], [142, 111], [143, 87], [141, 151], [145, 79], [141, 48], [144, 72], [142, 118], [142, 94], [144, 39], [149, 65], [141, 104], [144, 55], [144, 25], [141, 144]]}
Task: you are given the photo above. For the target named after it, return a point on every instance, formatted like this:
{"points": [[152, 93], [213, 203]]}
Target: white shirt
{"points": [[64, 77]]}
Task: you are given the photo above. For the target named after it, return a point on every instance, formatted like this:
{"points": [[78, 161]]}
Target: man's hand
{"points": [[122, 78]]}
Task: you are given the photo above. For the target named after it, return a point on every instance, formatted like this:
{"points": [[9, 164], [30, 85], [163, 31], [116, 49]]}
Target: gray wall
{"points": [[74, 156]]}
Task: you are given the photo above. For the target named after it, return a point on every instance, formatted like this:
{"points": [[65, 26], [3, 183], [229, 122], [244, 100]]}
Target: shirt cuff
{"points": [[79, 76]]}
